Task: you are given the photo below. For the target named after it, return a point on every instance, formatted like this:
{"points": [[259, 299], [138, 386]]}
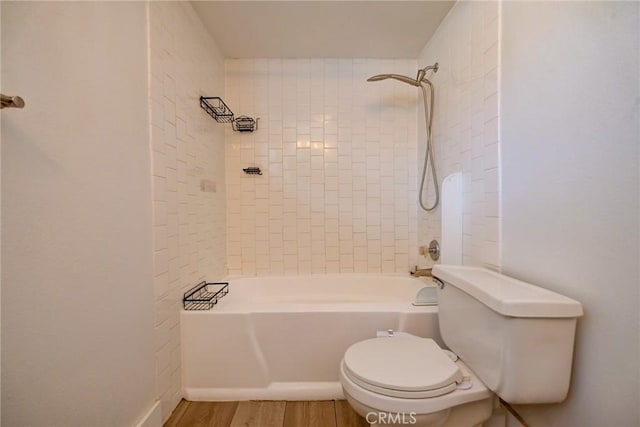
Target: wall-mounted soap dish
{"points": [[245, 124], [252, 171]]}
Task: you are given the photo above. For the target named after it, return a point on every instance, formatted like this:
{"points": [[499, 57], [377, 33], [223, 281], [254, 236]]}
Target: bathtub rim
{"points": [[228, 303]]}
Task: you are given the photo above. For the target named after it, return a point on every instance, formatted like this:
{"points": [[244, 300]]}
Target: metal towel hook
{"points": [[11, 101]]}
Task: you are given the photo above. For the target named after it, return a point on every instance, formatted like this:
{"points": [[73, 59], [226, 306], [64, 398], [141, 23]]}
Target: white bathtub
{"points": [[282, 338]]}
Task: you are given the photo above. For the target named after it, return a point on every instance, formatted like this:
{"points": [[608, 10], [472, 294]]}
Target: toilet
{"points": [[505, 338]]}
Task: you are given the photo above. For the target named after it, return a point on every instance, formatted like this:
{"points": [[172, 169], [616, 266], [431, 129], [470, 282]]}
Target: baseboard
{"points": [[153, 418], [293, 390]]}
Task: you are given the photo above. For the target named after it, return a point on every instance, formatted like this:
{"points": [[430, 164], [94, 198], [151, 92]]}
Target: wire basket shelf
{"points": [[244, 124], [205, 295], [216, 108]]}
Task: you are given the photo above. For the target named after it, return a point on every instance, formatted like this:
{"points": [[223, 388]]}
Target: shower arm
{"points": [[422, 72], [433, 67]]}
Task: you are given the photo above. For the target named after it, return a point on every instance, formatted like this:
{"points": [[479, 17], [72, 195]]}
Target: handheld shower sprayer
{"points": [[428, 111], [403, 79]]}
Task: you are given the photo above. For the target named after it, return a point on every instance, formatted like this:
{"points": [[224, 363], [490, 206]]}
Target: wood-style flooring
{"points": [[325, 413]]}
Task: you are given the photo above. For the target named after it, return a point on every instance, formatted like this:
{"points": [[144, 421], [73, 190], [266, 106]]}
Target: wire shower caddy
{"points": [[205, 295], [221, 113]]}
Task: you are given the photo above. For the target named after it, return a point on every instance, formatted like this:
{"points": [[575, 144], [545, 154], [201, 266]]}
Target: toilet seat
{"points": [[420, 368]]}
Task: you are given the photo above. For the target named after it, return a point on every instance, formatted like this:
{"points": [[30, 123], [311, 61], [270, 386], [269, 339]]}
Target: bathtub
{"points": [[282, 338]]}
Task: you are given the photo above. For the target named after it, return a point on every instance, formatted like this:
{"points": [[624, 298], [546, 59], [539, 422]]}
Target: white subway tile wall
{"points": [[338, 156], [187, 145], [466, 124], [340, 159]]}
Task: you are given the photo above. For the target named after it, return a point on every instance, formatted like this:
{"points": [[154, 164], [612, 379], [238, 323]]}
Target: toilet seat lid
{"points": [[402, 363]]}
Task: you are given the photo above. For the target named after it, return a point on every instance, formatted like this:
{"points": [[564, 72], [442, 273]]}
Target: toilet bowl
{"points": [[412, 381], [518, 339]]}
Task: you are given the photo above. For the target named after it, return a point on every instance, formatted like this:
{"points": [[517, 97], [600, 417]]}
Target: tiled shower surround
{"points": [[187, 148], [466, 124], [338, 155]]}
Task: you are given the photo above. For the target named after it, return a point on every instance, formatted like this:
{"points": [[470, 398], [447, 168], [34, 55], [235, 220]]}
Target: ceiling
{"points": [[321, 29]]}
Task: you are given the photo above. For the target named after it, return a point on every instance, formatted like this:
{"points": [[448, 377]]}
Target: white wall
{"points": [[0, 241], [189, 225], [465, 125], [570, 138], [77, 294], [338, 156]]}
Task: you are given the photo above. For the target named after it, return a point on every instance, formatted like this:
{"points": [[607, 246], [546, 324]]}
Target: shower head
{"points": [[404, 79], [413, 82]]}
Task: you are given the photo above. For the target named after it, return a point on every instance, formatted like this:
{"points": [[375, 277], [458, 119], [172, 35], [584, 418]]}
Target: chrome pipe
{"points": [[433, 67]]}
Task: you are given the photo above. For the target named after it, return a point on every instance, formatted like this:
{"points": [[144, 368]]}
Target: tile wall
{"points": [[187, 150], [338, 157], [466, 124]]}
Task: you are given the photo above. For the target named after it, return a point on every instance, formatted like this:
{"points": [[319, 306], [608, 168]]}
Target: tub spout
{"points": [[420, 272]]}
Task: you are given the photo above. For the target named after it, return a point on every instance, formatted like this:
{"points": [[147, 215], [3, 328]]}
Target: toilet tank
{"points": [[517, 337]]}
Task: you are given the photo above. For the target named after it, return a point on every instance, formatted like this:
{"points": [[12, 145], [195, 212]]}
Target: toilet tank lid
{"points": [[506, 295]]}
